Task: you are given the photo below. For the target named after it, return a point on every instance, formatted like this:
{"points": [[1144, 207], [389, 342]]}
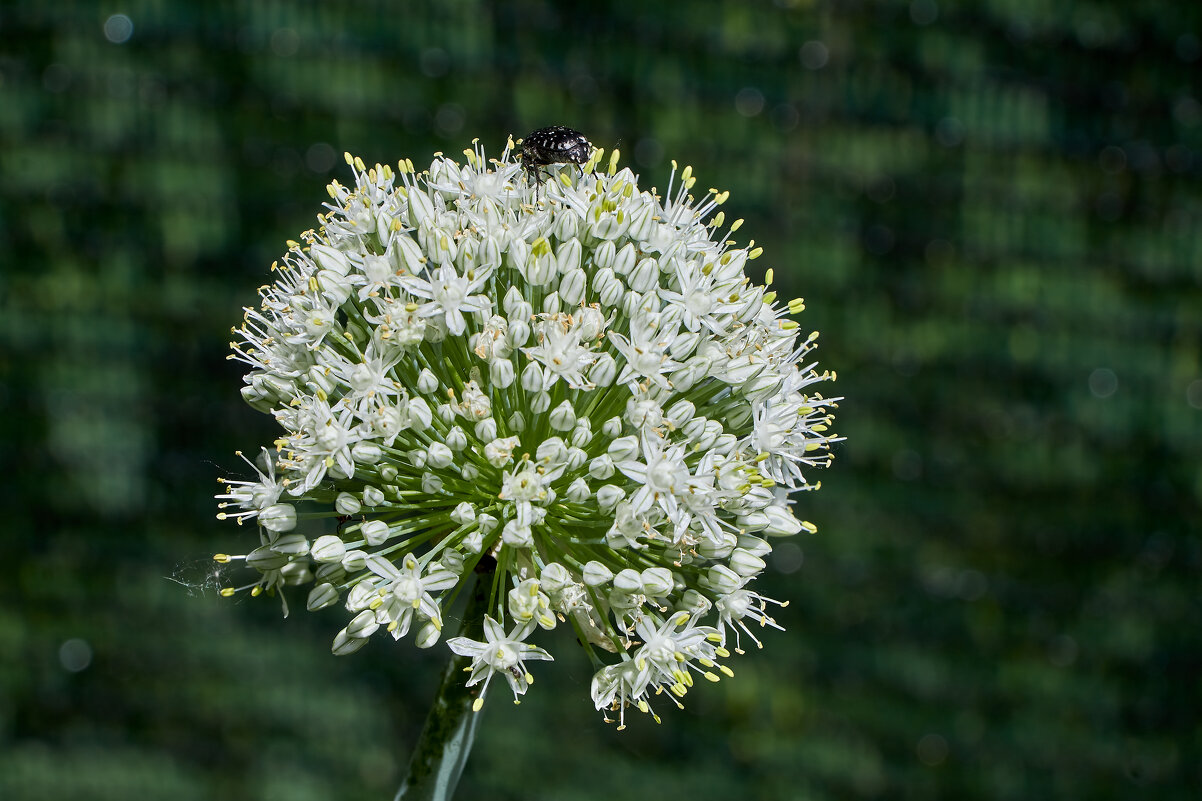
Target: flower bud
{"points": [[578, 491], [486, 429], [604, 371], [657, 581], [296, 573], [365, 452], [420, 416], [563, 417], [722, 580], [278, 517], [717, 550], [781, 522], [500, 373], [602, 467], [464, 513], [555, 577], [694, 602], [645, 276], [362, 625], [595, 574], [604, 254], [681, 412], [575, 458], [582, 434], [540, 403], [375, 532], [474, 542], [623, 448], [321, 596], [346, 504], [625, 259], [449, 560], [354, 561], [567, 258], [516, 535], [628, 581], [264, 558], [515, 304], [532, 377], [439, 455], [519, 332], [551, 451], [427, 382], [431, 484], [754, 545], [608, 496], [572, 287], [612, 428], [427, 636], [344, 644], [328, 548], [372, 496], [745, 563]]}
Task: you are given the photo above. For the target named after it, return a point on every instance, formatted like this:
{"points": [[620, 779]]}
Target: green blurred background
{"points": [[993, 209]]}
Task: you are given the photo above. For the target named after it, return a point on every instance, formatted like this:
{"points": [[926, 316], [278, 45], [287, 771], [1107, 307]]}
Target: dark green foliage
{"points": [[993, 209]]}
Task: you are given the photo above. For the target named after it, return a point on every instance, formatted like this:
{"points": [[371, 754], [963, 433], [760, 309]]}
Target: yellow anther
{"points": [[721, 197], [346, 154], [479, 702], [808, 526], [256, 592], [711, 676], [755, 253], [768, 275], [797, 305], [227, 592], [223, 558], [769, 297], [719, 218], [788, 325], [726, 671]]}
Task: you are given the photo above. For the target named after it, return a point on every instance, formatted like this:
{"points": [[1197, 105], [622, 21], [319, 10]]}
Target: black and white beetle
{"points": [[555, 145]]}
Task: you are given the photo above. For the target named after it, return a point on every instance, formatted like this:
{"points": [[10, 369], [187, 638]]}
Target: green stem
{"points": [[446, 739]]}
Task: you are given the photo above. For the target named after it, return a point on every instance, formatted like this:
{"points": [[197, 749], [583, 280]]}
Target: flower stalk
{"points": [[446, 740]]}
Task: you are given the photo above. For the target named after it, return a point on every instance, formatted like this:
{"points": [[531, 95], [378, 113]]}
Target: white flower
{"points": [[450, 296], [499, 653], [577, 394]]}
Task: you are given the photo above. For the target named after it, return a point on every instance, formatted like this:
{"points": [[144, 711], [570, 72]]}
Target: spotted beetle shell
{"points": [[555, 145]]}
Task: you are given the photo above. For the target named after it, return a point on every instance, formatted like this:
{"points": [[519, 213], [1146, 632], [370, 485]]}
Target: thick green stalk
{"points": [[446, 739]]}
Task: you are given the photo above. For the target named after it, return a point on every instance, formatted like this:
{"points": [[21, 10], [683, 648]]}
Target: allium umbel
{"points": [[572, 390]]}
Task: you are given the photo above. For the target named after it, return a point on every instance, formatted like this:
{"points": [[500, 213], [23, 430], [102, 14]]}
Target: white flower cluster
{"points": [[572, 390]]}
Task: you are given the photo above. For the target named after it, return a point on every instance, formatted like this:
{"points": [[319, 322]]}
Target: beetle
{"points": [[557, 144]]}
